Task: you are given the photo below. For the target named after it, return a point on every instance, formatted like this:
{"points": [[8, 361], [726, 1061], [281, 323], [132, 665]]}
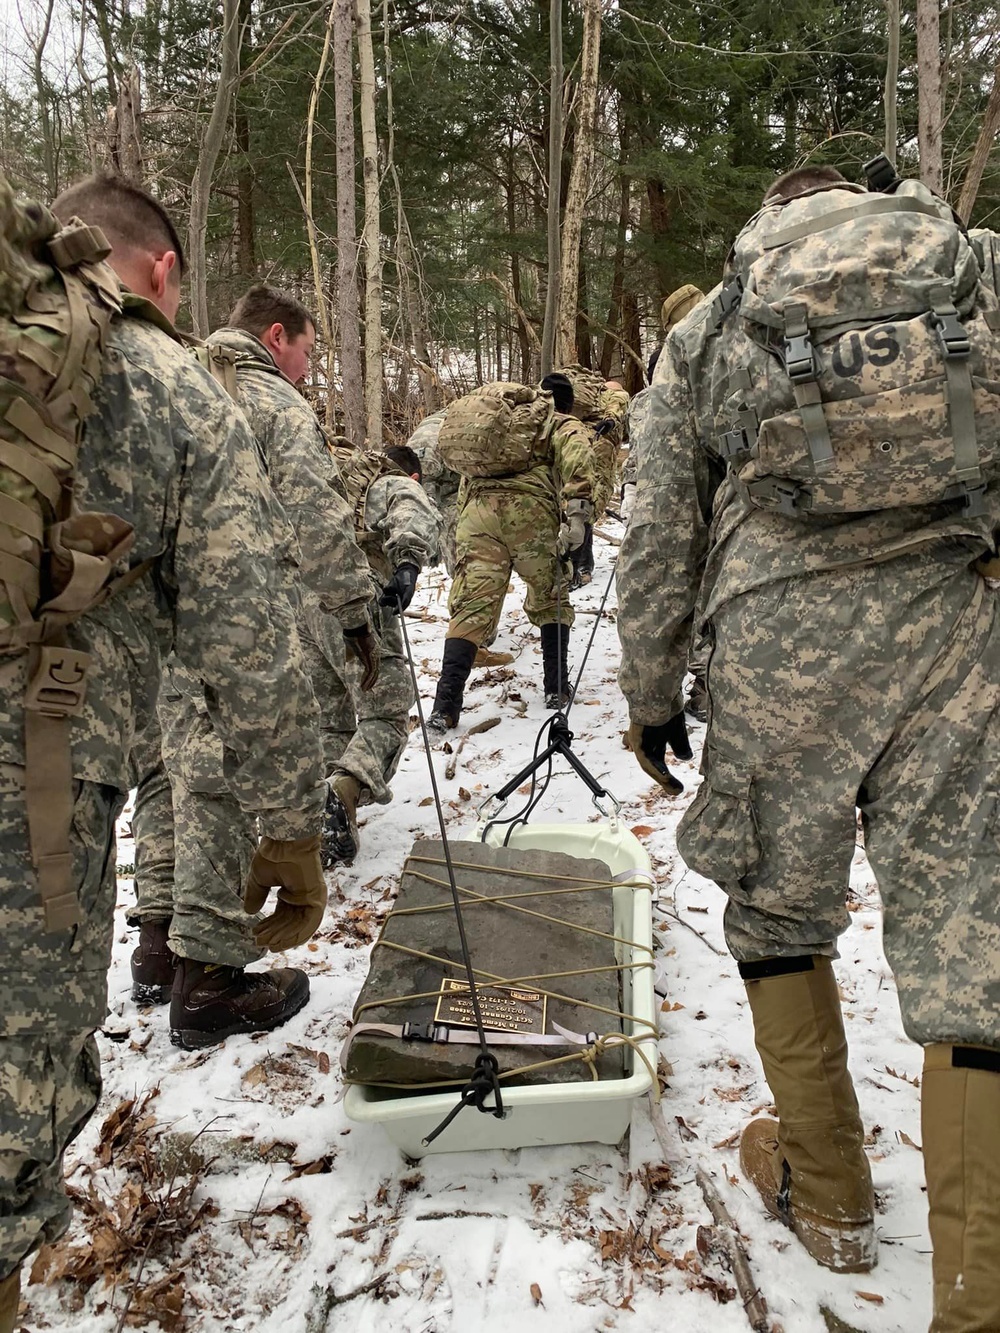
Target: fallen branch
{"points": [[728, 1239], [486, 725], [688, 926], [318, 1317], [614, 541]]}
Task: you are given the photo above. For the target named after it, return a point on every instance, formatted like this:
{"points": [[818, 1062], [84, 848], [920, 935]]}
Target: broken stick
{"points": [[739, 1261], [486, 725]]}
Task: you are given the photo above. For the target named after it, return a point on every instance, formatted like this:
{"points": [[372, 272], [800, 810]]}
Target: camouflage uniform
{"points": [[507, 523], [166, 451], [613, 406], [856, 661], [396, 524], [213, 838], [440, 482]]}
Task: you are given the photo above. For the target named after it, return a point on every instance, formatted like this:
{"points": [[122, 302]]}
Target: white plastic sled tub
{"points": [[584, 1112]]}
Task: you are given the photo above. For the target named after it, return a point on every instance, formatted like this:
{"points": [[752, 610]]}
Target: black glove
{"points": [[400, 587], [649, 745], [364, 645], [606, 426]]}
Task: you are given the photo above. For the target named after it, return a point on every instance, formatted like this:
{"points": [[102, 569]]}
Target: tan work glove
{"points": [[294, 869], [578, 513], [364, 645]]}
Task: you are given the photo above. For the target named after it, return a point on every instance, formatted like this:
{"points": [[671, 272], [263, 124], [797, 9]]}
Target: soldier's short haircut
{"points": [[406, 458], [128, 215], [801, 180], [263, 306]]}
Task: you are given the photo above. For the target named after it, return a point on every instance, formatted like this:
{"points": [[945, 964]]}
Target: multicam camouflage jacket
{"points": [[168, 452], [571, 475], [693, 545], [305, 479], [395, 523]]}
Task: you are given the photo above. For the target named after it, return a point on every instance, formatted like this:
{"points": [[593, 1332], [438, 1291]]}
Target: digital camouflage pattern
{"points": [[50, 1084], [304, 478], [166, 451], [440, 482], [879, 415], [513, 524], [152, 828], [856, 661], [397, 524]]}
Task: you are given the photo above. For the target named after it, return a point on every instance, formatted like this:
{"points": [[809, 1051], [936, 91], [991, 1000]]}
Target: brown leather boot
{"points": [[10, 1297], [960, 1118], [809, 1165], [153, 963], [210, 1002]]}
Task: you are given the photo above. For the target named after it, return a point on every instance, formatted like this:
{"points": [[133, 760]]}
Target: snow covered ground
{"points": [[226, 1190]]}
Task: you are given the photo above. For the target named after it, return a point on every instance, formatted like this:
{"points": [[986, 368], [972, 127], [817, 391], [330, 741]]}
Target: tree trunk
{"points": [[555, 183], [208, 156], [891, 77], [323, 304], [584, 352], [349, 317], [618, 270], [632, 376], [579, 184], [125, 128], [373, 214], [981, 152], [246, 228], [515, 263], [38, 46], [929, 115]]}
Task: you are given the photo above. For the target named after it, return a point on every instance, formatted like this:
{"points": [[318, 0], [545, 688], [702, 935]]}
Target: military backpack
{"points": [[588, 389], [861, 349], [498, 430], [57, 298]]}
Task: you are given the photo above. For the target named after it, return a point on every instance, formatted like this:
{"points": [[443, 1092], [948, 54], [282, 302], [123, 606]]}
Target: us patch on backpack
{"points": [[867, 356]]}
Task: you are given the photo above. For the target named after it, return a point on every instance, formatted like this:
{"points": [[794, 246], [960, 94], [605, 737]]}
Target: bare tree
{"points": [[929, 111], [38, 42], [125, 127], [555, 182], [372, 228], [208, 156], [347, 241], [891, 77], [319, 283], [981, 152], [579, 185]]}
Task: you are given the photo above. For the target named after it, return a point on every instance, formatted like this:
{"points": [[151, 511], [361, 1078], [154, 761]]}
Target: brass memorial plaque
{"points": [[504, 1008]]}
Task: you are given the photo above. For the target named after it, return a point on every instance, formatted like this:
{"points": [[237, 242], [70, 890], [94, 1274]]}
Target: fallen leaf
{"points": [[428, 800], [536, 1294], [667, 1008], [464, 794], [905, 1138], [872, 1296], [642, 830]]}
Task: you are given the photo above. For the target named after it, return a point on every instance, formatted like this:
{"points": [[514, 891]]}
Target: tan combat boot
{"points": [[486, 657], [809, 1165], [960, 1114], [10, 1296]]}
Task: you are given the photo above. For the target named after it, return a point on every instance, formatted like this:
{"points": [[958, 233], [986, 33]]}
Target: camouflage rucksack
{"points": [[56, 303], [497, 431], [359, 468], [588, 387], [859, 343]]}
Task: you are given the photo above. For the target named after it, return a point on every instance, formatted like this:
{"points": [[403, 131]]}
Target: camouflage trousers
{"points": [[54, 989], [449, 522], [500, 531], [327, 668], [876, 687], [211, 836], [152, 829], [376, 726]]}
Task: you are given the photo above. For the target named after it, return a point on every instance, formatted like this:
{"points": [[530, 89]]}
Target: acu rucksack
{"points": [[498, 430], [56, 303], [860, 350]]}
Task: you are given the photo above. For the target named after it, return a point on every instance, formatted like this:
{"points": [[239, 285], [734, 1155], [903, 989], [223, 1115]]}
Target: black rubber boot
{"points": [[210, 1003], [152, 963], [555, 668], [459, 655]]}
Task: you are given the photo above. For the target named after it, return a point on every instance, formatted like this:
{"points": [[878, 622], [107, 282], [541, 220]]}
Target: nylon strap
{"points": [[801, 368], [21, 516], [54, 694], [30, 423], [961, 402], [78, 243], [21, 573], [866, 209]]}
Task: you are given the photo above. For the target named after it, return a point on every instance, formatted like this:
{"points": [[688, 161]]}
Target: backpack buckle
{"points": [[58, 683], [424, 1032], [800, 364], [787, 495], [952, 335], [742, 438]]}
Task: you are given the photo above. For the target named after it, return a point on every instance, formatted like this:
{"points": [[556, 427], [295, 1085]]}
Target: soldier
{"points": [[856, 662], [510, 523], [602, 406], [399, 530], [439, 481], [165, 450], [270, 335]]}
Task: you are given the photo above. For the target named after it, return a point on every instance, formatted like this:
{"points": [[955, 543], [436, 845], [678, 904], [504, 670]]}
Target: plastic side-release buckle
{"points": [[58, 683], [880, 174], [424, 1032], [788, 496], [742, 438], [972, 497], [952, 335], [800, 364], [727, 300]]}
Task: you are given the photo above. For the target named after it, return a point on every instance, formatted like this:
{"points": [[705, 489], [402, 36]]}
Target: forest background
{"points": [[415, 171]]}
